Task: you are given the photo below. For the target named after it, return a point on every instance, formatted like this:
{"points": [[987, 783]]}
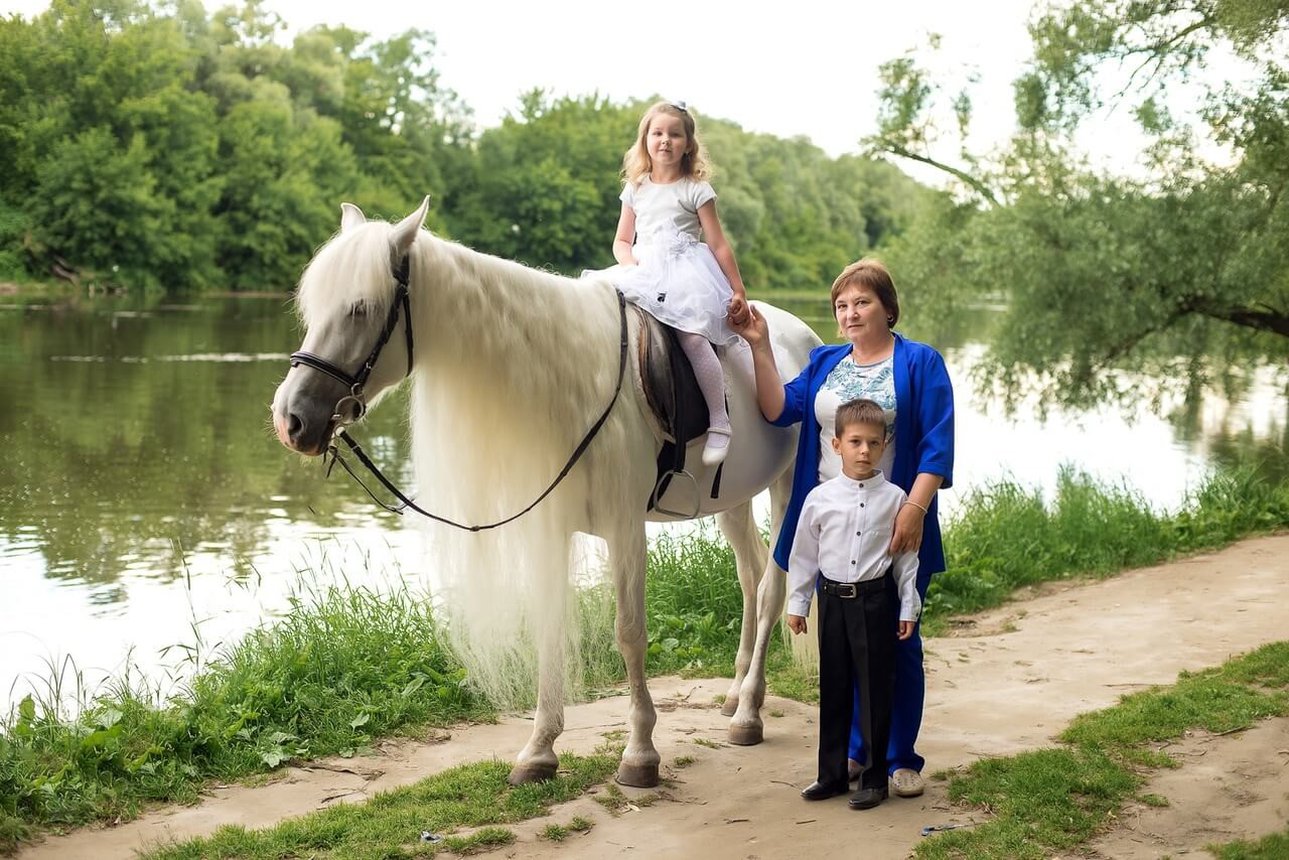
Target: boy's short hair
{"points": [[861, 410]]}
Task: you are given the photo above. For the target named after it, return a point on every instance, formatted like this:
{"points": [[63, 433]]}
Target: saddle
{"points": [[672, 392]]}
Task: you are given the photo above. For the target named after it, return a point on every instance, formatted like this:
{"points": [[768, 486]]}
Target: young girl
{"points": [[662, 265]]}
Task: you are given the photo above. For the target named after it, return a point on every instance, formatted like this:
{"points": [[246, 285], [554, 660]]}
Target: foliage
{"points": [[545, 184], [157, 147], [1180, 270], [149, 145]]}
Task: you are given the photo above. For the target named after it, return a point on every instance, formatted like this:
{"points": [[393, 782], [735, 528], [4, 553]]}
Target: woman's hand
{"points": [[907, 534]]}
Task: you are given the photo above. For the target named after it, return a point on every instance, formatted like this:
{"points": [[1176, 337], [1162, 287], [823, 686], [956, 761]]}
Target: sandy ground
{"points": [[1009, 680]]}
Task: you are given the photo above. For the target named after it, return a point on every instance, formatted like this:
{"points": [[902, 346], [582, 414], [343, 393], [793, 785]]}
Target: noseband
{"points": [[356, 382]]}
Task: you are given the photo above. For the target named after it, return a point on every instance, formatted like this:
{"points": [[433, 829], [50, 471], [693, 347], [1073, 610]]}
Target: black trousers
{"points": [[857, 637]]}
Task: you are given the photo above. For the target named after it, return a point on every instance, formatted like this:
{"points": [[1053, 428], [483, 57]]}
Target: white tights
{"points": [[711, 381]]}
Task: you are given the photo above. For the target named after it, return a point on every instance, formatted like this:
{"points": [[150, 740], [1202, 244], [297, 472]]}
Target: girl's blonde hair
{"points": [[637, 164]]}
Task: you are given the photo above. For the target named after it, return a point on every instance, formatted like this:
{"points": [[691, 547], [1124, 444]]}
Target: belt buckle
{"points": [[847, 589]]}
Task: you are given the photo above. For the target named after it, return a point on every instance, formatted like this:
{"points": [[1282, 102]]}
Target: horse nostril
{"points": [[294, 427]]}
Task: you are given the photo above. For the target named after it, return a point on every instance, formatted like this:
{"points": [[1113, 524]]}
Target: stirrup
{"points": [[653, 497]]}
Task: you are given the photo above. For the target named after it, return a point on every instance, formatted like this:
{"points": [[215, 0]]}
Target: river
{"points": [[149, 516]]}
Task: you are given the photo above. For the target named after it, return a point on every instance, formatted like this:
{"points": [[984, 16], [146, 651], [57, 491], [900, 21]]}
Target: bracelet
{"points": [[924, 510]]}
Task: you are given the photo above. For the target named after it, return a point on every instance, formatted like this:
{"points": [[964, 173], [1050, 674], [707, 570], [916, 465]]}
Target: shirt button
{"points": [[861, 504], [856, 534], [852, 561]]}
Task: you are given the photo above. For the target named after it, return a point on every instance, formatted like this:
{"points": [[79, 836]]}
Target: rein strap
{"points": [[572, 461]]}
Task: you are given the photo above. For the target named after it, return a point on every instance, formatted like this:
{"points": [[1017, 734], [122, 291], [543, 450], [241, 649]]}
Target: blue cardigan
{"points": [[923, 436]]}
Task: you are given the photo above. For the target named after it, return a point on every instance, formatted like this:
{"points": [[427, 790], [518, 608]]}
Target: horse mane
{"points": [[350, 268], [512, 365]]}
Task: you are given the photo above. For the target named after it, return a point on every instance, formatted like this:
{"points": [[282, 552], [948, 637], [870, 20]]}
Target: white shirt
{"points": [[844, 533]]}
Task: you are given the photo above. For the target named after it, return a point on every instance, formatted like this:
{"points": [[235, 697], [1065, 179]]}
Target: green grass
{"points": [[461, 810], [1273, 847], [1055, 799], [694, 604]]}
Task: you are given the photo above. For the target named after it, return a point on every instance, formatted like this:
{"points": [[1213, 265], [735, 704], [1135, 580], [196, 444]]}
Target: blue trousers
{"points": [[907, 703]]}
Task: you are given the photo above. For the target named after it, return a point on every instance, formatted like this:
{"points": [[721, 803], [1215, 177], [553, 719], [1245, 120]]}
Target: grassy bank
{"points": [[1056, 799], [347, 665], [1009, 537]]}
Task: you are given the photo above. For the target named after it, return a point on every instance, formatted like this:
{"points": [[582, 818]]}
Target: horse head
{"points": [[353, 302]]}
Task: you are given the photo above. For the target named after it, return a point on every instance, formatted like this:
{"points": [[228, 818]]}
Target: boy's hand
{"points": [[906, 629], [797, 624]]}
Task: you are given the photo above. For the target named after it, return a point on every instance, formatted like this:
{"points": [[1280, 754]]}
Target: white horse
{"points": [[510, 367]]}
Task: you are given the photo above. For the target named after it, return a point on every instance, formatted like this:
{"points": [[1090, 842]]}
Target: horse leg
{"points": [[739, 528], [537, 760], [746, 727], [640, 759]]}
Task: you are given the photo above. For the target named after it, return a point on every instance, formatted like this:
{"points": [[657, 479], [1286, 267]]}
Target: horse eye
{"points": [[359, 309]]}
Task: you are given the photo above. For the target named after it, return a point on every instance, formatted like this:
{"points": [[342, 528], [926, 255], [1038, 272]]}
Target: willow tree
{"points": [[1178, 267]]}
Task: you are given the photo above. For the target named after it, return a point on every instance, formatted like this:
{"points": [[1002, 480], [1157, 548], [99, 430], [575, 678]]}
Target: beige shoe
{"points": [[906, 782]]}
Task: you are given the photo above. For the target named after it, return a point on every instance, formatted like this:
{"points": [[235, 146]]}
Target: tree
{"points": [[543, 187], [1182, 271]]}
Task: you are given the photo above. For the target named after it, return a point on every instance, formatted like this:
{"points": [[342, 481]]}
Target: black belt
{"points": [[850, 590]]}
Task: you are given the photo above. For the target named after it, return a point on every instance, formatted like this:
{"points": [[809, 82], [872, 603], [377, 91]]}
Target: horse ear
{"points": [[350, 216], [405, 231]]}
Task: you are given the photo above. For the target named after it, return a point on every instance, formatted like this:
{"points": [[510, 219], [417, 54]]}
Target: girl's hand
{"points": [[907, 534], [797, 623], [906, 629], [738, 311], [751, 326]]}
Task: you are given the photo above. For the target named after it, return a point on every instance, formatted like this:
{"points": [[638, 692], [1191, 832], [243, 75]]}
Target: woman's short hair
{"points": [[872, 274]]}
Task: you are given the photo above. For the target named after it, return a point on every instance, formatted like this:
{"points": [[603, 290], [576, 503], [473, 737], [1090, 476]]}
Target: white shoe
{"points": [[717, 446], [906, 782]]}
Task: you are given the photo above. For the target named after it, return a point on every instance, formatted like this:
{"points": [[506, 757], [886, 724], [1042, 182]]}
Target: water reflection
{"points": [[145, 503]]}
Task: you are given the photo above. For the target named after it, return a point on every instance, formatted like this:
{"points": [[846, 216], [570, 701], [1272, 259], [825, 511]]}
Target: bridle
{"points": [[355, 383]]}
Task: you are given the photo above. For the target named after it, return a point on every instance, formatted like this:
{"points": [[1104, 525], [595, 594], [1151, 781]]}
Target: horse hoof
{"points": [[746, 736], [522, 774], [637, 775], [729, 707]]}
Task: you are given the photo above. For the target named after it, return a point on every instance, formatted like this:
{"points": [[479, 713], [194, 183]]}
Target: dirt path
{"points": [[1009, 682]]}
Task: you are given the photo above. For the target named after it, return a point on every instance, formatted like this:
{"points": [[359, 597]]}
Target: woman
{"points": [[909, 380]]}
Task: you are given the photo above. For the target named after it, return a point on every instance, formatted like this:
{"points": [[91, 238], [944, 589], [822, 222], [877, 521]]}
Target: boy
{"points": [[867, 600]]}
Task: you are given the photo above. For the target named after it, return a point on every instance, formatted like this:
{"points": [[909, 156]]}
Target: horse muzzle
{"points": [[303, 425]]}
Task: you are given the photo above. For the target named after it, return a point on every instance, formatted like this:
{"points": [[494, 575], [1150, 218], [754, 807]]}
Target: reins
{"points": [[356, 383]]}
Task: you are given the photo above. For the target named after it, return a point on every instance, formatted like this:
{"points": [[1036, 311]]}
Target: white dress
{"points": [[677, 278]]}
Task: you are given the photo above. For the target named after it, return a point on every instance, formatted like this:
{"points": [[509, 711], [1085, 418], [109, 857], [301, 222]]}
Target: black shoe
{"points": [[823, 791], [867, 798]]}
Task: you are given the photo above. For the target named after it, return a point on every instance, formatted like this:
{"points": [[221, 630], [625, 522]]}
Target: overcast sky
{"points": [[801, 67]]}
